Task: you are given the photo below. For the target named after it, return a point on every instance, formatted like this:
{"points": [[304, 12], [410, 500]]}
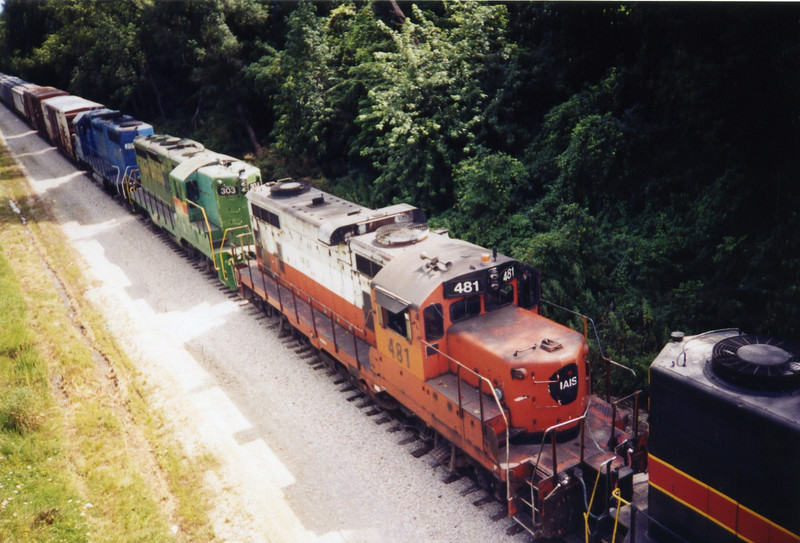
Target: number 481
{"points": [[399, 353]]}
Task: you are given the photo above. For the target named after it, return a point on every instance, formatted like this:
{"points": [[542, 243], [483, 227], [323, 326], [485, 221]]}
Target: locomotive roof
{"points": [[213, 165], [336, 218], [177, 149], [417, 270], [689, 360], [112, 117], [410, 272]]}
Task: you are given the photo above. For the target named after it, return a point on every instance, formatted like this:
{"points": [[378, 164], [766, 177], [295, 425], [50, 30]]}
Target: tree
{"points": [[432, 101]]}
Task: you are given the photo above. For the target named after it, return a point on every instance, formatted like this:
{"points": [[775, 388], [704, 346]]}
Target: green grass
{"points": [[38, 500], [81, 459]]}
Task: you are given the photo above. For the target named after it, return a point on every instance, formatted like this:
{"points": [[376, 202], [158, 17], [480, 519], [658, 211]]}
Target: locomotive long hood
{"points": [[536, 363]]}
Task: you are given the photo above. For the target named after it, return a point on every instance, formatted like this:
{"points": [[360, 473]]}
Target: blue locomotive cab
{"points": [[105, 145], [85, 143]]}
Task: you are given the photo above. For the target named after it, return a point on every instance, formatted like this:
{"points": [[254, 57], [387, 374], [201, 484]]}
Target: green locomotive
{"points": [[198, 196]]}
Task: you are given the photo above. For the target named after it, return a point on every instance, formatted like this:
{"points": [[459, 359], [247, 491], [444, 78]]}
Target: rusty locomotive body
{"points": [[445, 330]]}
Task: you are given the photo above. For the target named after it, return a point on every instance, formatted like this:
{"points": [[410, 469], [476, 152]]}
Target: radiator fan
{"points": [[289, 187], [757, 362], [392, 235]]}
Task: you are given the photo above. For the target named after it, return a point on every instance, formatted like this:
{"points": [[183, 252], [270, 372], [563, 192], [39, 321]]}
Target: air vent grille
{"points": [[757, 362], [392, 235]]}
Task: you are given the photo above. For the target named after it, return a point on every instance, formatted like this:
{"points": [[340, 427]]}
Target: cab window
{"points": [[434, 322], [503, 296], [397, 322], [465, 308]]}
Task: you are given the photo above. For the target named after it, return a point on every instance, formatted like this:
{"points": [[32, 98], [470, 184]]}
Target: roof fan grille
{"points": [[289, 187], [757, 362], [392, 235]]}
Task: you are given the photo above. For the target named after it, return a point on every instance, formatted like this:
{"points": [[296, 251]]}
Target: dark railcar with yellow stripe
{"points": [[725, 439]]}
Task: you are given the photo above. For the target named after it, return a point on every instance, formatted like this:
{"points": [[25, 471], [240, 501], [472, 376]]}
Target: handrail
{"points": [[552, 439], [636, 511], [635, 396], [497, 401], [555, 460], [128, 172], [128, 178], [239, 246], [116, 178], [222, 245], [607, 360], [292, 287], [594, 492], [208, 229]]}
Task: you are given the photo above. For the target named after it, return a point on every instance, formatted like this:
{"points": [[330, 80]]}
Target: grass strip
{"points": [[83, 457]]}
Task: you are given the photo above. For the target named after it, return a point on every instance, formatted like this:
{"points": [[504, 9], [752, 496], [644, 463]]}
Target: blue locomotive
{"points": [[104, 144]]}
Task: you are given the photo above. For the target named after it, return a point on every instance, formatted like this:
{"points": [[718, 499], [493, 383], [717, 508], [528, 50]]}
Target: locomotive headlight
{"points": [[494, 279], [499, 393]]}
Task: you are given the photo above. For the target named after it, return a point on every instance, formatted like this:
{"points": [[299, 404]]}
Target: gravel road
{"points": [[297, 462]]}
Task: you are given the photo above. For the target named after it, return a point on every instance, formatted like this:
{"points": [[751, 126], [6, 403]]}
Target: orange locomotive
{"points": [[441, 328]]}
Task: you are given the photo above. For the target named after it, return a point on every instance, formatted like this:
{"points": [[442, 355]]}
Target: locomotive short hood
{"points": [[533, 360]]}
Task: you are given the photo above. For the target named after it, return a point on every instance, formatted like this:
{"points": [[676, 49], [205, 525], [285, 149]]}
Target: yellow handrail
{"points": [[208, 229], [222, 244], [620, 501], [128, 191], [591, 500]]}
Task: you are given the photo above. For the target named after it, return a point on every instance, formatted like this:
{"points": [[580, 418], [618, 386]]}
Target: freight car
{"points": [[59, 112], [34, 112]]}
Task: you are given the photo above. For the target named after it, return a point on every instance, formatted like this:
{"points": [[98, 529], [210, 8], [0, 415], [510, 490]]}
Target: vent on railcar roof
{"points": [[757, 362], [289, 187], [393, 235]]}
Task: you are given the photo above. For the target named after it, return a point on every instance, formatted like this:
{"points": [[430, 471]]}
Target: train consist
{"points": [[451, 336]]}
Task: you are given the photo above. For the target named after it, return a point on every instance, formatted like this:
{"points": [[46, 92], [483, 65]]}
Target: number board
{"points": [[507, 273], [227, 190], [478, 283], [465, 286]]}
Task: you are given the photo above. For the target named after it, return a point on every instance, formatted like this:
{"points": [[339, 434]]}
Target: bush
{"points": [[21, 410]]}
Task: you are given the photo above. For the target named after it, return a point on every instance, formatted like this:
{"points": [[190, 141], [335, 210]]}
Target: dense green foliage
{"points": [[643, 157]]}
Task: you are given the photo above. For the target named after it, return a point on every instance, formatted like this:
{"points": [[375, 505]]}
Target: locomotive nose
{"points": [[539, 365]]}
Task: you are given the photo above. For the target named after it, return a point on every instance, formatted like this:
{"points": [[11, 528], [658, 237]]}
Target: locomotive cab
{"points": [[448, 311]]}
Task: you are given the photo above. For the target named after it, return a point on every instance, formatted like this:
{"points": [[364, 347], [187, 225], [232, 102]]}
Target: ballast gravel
{"points": [[295, 461]]}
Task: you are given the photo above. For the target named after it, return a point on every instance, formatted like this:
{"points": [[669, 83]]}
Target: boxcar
{"points": [[33, 107], [58, 115]]}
